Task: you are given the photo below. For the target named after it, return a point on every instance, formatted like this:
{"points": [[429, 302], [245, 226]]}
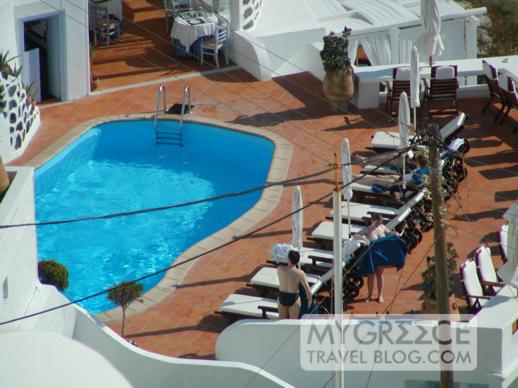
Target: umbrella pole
{"points": [[415, 120], [338, 274]]}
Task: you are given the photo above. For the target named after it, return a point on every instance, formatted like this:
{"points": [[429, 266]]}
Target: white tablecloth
{"points": [[187, 34], [114, 8]]}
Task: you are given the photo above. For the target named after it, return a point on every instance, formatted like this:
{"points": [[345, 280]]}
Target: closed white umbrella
{"points": [[429, 42], [297, 219], [347, 176], [415, 83], [509, 271], [403, 124]]}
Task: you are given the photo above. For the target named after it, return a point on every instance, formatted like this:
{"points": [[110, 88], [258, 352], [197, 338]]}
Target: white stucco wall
{"points": [[7, 29], [18, 272], [74, 34], [276, 348]]}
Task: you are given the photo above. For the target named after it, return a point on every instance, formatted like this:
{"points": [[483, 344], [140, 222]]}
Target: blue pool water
{"points": [[118, 167]]}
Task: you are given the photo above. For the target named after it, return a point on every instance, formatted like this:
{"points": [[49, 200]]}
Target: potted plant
{"points": [[122, 295], [430, 284], [338, 84], [5, 68]]}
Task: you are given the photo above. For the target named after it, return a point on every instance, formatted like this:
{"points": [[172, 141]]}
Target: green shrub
{"points": [[53, 273]]}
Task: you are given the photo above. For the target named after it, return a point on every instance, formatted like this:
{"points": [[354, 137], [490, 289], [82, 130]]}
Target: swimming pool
{"points": [[117, 167]]}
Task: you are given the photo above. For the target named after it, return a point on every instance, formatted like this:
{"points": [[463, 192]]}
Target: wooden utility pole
{"points": [[441, 266]]}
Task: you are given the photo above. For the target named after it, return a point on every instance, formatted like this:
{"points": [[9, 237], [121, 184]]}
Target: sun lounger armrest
{"points": [[267, 309], [492, 284]]}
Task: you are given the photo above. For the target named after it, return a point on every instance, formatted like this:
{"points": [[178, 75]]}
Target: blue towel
{"points": [[389, 251]]}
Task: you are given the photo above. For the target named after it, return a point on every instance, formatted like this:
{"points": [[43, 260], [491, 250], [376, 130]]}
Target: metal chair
{"points": [[173, 7], [105, 28], [218, 42], [472, 287], [495, 90], [400, 83], [443, 86], [511, 98]]}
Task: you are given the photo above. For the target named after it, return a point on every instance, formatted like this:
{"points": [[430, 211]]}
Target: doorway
{"points": [[42, 60]]}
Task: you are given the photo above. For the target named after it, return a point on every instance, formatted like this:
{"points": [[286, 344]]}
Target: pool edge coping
{"points": [[172, 278]]}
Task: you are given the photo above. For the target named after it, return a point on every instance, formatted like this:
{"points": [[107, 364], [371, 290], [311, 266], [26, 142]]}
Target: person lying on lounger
{"points": [[383, 183], [289, 279]]}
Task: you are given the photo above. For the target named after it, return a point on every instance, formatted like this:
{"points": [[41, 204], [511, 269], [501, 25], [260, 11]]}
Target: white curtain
{"points": [[377, 48], [352, 50]]}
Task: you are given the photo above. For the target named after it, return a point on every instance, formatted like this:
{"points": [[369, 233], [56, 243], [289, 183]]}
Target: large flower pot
{"points": [[339, 88], [4, 179]]}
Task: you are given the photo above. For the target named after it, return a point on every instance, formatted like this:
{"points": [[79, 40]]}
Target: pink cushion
{"points": [[445, 72]]}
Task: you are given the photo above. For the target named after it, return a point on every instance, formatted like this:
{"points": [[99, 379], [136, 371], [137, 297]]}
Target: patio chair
{"points": [[400, 83], [495, 90], [473, 291], [213, 45], [510, 97], [383, 141], [443, 86], [486, 270], [105, 27], [502, 242], [173, 7]]}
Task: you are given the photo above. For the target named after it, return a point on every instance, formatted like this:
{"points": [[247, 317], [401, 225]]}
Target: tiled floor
{"points": [[143, 52], [184, 324]]}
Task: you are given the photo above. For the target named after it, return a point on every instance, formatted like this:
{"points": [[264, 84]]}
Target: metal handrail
{"points": [[160, 90], [186, 98]]}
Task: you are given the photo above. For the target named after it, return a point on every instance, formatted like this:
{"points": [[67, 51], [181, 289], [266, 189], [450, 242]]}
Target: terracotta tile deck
{"points": [[184, 324], [144, 50]]}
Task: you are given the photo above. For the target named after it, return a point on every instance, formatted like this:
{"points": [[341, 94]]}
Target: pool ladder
{"points": [[171, 136]]}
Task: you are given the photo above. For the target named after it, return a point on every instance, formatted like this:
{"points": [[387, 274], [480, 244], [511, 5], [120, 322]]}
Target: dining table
{"points": [[189, 28]]}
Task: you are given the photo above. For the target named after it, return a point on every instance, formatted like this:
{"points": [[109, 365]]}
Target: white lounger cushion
{"points": [[391, 140], [267, 277], [445, 72], [472, 283], [325, 231], [360, 210], [248, 305], [486, 267], [502, 237], [403, 74], [387, 140], [305, 252]]}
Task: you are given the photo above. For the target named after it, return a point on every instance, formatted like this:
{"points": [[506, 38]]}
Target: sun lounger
{"points": [[324, 232], [310, 257], [383, 140], [473, 291], [502, 242], [267, 277], [237, 306], [358, 211], [486, 270]]}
